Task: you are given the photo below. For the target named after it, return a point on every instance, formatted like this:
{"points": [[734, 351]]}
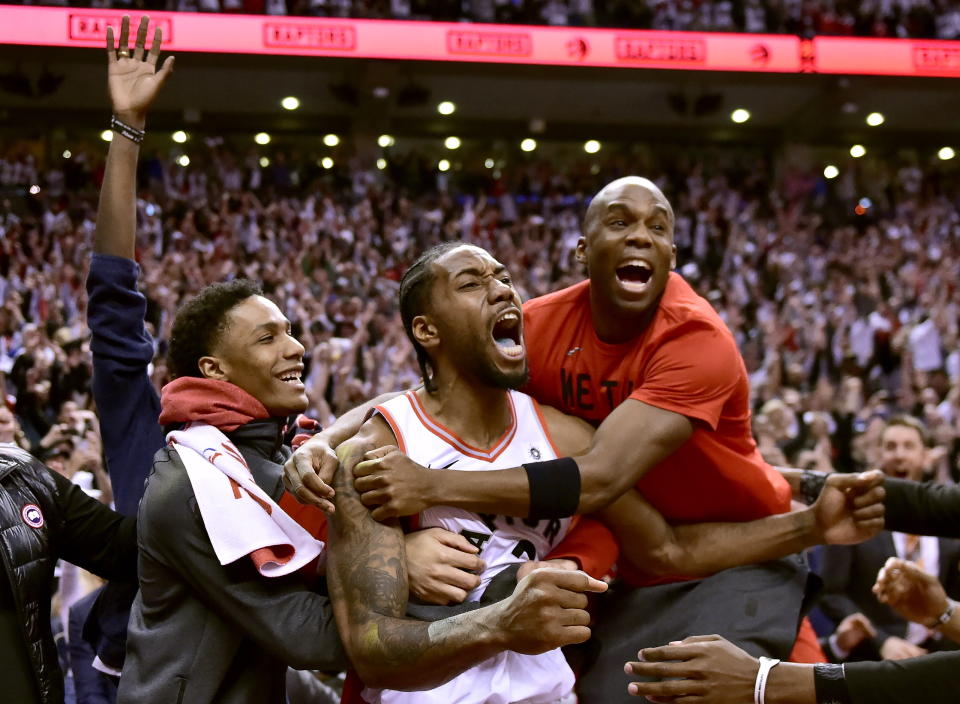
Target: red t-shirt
{"points": [[686, 361]]}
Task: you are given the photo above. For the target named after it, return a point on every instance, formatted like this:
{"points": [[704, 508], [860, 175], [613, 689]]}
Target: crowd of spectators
{"points": [[880, 18], [843, 319]]}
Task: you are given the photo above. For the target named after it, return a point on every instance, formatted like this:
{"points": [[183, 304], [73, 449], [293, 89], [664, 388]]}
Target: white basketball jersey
{"points": [[508, 677]]}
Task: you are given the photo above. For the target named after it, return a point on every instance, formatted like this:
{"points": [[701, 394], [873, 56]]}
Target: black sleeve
{"points": [[931, 679], [924, 509], [292, 622], [94, 536]]}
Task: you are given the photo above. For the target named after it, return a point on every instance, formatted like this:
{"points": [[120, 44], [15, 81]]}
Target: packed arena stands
{"points": [[841, 293]]}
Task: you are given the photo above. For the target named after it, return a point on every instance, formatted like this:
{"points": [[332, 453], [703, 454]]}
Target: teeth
{"points": [[636, 262], [509, 315]]}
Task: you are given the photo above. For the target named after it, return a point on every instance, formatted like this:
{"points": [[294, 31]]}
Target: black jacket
{"points": [[44, 517], [203, 632], [849, 573], [933, 679]]}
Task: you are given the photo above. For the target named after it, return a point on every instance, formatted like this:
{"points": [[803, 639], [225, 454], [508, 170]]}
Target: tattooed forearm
{"points": [[368, 586]]}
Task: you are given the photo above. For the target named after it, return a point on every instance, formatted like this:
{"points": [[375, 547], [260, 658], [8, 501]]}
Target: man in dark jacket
{"points": [[44, 517], [715, 671], [201, 630]]}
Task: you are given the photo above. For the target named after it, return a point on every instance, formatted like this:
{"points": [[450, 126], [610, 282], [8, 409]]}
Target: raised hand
{"points": [[133, 79], [547, 610]]}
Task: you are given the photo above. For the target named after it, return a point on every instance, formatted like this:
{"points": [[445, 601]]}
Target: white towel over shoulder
{"points": [[240, 518]]}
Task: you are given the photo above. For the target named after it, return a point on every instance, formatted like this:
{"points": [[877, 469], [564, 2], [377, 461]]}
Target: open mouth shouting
{"points": [[634, 275], [507, 334]]}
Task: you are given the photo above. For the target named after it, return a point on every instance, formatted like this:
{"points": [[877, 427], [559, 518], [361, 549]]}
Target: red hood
{"points": [[218, 403]]}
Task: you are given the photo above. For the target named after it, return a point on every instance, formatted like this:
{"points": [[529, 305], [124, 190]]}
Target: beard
{"points": [[490, 374]]}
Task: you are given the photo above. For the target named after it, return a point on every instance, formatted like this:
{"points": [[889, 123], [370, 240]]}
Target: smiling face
{"points": [[257, 353], [474, 320], [628, 245], [902, 452]]}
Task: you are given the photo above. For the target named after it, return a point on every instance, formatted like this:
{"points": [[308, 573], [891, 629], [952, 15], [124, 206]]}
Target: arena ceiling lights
{"points": [[484, 43]]}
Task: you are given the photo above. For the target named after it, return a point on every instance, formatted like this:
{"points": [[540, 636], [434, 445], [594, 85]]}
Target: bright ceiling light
{"points": [[261, 138], [67, 154], [740, 115], [831, 171], [183, 160], [489, 163], [857, 151], [946, 153], [106, 135], [326, 162], [264, 162], [875, 119], [290, 103], [446, 108], [444, 165], [179, 136], [591, 146], [381, 164], [529, 144], [452, 142], [386, 140], [331, 140]]}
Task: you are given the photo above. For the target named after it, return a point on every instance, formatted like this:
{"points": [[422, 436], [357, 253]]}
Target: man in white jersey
{"points": [[463, 317]]}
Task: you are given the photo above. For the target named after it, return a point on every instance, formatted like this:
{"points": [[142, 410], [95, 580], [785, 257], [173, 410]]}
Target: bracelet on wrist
{"points": [[124, 130], [760, 684], [946, 615], [811, 484]]}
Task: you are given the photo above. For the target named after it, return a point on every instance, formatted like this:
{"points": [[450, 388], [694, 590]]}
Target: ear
{"points": [[425, 332], [673, 257], [581, 251], [212, 368]]}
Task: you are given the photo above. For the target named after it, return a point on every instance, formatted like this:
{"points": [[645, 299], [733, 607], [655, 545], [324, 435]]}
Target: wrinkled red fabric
{"points": [[218, 403]]}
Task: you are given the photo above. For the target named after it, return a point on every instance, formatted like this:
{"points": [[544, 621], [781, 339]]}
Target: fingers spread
{"points": [[141, 38], [124, 33], [111, 51], [155, 48]]}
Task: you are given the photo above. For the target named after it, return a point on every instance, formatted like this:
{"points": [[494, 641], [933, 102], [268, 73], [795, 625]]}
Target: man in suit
{"points": [[849, 572]]}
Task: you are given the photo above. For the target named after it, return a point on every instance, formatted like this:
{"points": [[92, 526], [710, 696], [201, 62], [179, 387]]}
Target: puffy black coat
{"points": [[43, 517]]}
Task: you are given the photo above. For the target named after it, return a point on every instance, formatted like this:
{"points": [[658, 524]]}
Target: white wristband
{"points": [[760, 686]]}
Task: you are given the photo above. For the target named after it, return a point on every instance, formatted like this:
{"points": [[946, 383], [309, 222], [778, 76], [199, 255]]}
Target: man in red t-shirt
{"points": [[637, 351]]}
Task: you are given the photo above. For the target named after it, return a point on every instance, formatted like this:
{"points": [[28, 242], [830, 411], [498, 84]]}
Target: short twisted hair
{"points": [[202, 321]]}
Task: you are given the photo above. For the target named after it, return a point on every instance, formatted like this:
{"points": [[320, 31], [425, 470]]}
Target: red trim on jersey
{"points": [[544, 427], [393, 426], [451, 438]]}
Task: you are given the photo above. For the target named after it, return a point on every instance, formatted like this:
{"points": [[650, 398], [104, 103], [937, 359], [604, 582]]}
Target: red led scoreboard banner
{"points": [[443, 41]]}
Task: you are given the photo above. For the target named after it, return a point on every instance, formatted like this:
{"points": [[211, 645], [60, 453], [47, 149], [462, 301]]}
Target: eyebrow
{"points": [[272, 325], [662, 209], [472, 271]]}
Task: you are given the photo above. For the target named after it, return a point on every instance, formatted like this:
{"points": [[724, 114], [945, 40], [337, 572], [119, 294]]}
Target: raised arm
{"points": [[122, 348], [368, 585], [133, 81]]}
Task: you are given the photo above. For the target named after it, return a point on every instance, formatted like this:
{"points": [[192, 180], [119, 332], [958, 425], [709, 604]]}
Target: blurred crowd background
{"points": [[842, 293], [876, 18]]}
